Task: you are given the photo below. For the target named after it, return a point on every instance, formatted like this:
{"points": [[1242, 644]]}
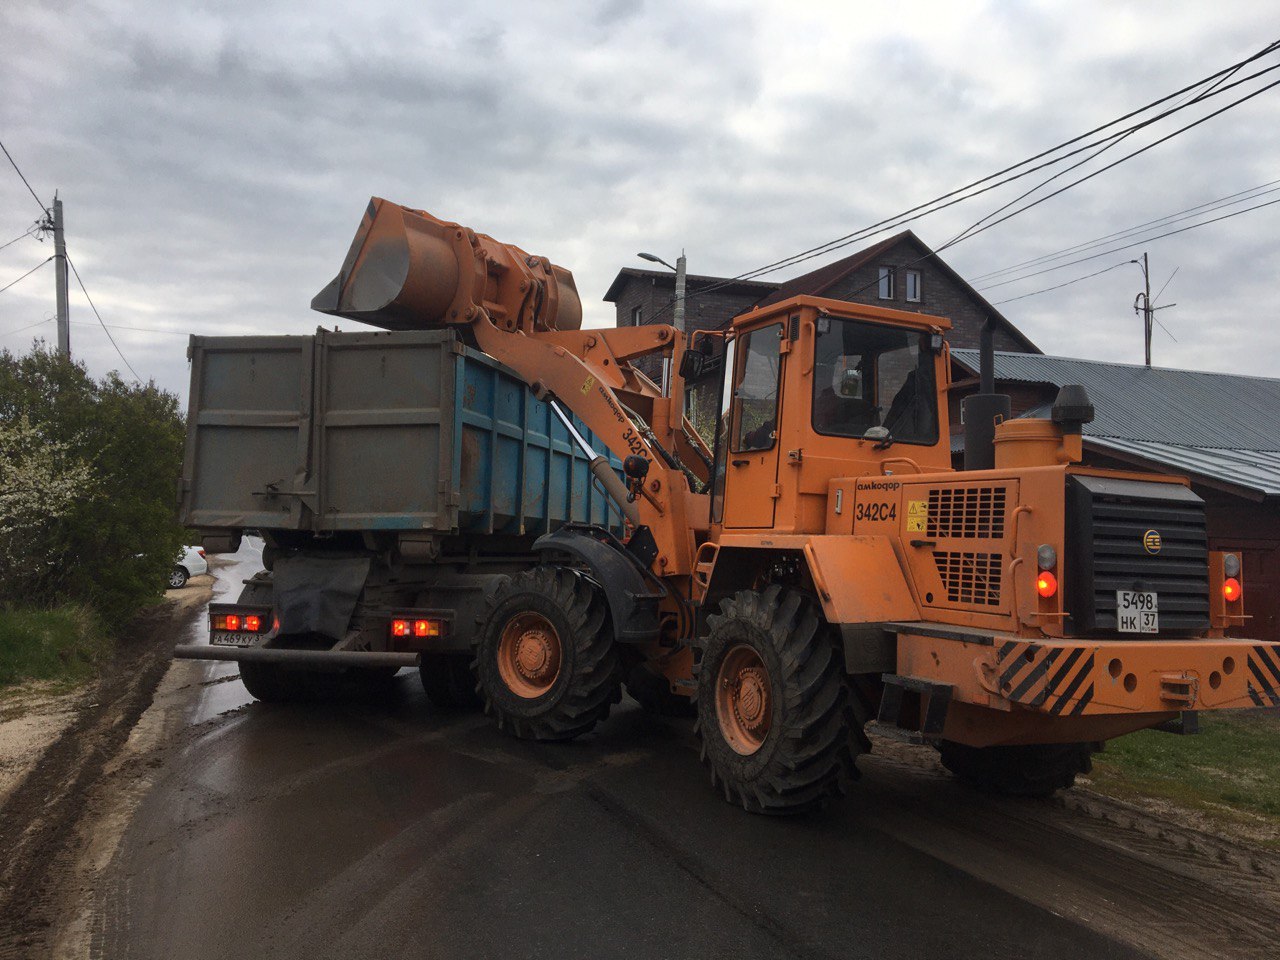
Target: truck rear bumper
{"points": [[304, 658]]}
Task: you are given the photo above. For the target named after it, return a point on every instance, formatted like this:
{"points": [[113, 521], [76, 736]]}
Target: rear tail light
{"points": [[241, 621], [1231, 589], [419, 627], [200, 550], [1046, 584]]}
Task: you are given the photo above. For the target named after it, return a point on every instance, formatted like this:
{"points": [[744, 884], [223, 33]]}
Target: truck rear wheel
{"points": [[545, 660], [779, 724], [1036, 770], [448, 681]]}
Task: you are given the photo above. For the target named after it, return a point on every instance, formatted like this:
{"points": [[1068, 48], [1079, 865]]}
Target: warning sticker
{"points": [[588, 384], [917, 515]]}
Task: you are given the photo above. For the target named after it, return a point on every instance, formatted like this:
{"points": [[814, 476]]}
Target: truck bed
{"points": [[396, 431]]}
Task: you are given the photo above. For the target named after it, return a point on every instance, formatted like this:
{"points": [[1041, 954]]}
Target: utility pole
{"points": [[1142, 304], [680, 275], [60, 264]]}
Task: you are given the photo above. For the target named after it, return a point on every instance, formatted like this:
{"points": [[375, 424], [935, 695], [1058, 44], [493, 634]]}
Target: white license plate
{"points": [[1137, 611], [233, 639]]}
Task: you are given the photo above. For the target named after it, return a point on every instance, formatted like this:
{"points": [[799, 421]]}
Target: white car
{"points": [[191, 564]]}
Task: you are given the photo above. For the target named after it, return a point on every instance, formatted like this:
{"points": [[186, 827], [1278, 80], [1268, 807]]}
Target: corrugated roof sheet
{"points": [[1220, 426]]}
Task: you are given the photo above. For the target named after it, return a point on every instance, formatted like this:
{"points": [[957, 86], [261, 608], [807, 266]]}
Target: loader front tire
{"points": [[545, 662], [1036, 770], [779, 723]]}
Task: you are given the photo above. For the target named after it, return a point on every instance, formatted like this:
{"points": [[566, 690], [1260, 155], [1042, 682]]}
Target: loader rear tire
{"points": [[546, 663], [778, 721], [1036, 770], [448, 681]]}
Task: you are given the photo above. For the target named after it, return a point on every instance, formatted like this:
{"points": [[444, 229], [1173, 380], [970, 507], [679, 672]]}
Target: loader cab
{"points": [[819, 389]]}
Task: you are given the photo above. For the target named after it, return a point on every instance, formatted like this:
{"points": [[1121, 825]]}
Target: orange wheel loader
{"points": [[814, 570]]}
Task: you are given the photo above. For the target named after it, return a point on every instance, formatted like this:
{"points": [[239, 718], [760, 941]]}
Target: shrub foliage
{"points": [[88, 480]]}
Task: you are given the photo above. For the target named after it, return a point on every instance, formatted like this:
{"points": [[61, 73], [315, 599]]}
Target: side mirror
{"points": [[692, 363], [876, 433]]}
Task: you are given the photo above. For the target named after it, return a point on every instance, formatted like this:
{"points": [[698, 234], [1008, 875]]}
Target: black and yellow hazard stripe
{"points": [[1050, 677], [1263, 682]]}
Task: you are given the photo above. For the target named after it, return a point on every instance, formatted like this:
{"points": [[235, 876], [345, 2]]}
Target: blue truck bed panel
{"points": [[376, 431]]}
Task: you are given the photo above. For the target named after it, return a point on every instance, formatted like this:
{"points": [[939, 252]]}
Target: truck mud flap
{"points": [[318, 594]]}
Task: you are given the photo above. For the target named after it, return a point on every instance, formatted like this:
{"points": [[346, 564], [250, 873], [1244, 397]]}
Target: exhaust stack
{"points": [[985, 410]]}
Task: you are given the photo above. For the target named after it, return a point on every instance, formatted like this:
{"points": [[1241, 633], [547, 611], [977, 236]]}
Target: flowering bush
{"points": [[40, 481], [87, 487]]}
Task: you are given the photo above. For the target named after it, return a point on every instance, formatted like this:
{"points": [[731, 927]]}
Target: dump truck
{"points": [[813, 572]]}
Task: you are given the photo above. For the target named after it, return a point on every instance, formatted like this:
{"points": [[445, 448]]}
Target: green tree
{"points": [[114, 543]]}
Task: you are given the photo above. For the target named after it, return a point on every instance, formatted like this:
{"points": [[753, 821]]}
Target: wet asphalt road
{"points": [[357, 830]]}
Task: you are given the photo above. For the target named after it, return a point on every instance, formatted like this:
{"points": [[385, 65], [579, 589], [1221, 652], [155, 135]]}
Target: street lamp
{"points": [[680, 275]]}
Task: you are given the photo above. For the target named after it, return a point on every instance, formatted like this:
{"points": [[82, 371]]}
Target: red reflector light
{"points": [[253, 623], [1046, 584], [426, 628], [1231, 589], [400, 628]]}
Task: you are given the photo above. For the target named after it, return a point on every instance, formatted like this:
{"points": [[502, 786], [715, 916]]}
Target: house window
{"points": [[637, 316], [886, 283], [913, 286]]}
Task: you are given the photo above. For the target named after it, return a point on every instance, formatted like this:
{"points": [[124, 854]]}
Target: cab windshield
{"points": [[867, 375]]}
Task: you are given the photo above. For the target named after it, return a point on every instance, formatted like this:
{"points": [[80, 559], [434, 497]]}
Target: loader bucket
{"points": [[401, 272], [407, 270]]}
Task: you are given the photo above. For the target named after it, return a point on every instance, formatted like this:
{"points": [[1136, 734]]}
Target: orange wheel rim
{"points": [[744, 699], [529, 655]]}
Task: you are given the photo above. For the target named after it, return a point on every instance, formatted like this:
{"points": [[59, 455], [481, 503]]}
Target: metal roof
{"points": [[1223, 427]]}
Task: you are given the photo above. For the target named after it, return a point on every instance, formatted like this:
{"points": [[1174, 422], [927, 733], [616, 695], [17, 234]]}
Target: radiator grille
{"points": [[972, 578], [1109, 523], [967, 513]]}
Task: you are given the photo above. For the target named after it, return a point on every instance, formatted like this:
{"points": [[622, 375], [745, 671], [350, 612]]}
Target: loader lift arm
{"points": [[409, 270]]}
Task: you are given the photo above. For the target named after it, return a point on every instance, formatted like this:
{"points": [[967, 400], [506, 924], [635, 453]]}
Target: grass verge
{"points": [[62, 644], [1229, 772]]}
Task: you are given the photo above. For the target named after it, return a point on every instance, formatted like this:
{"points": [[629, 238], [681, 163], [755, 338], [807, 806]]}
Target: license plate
{"points": [[1137, 611], [233, 639]]}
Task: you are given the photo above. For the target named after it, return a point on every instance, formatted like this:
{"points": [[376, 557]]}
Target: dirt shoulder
{"points": [[57, 746]]}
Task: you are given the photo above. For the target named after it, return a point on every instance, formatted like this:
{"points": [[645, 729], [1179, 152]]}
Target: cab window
{"points": [[866, 375], [755, 396]]}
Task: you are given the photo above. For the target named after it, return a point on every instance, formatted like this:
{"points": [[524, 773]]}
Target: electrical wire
{"points": [[1176, 217], [72, 265], [1036, 293], [960, 194], [43, 209], [21, 236], [25, 275], [29, 326], [1136, 243]]}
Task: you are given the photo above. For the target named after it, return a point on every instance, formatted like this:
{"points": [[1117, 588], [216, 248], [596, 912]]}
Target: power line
{"points": [[72, 265], [1176, 217], [21, 236], [1129, 246], [963, 193], [955, 196], [43, 209], [28, 327], [1114, 163], [1036, 293], [25, 275]]}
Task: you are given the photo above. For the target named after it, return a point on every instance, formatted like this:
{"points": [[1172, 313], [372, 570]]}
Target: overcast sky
{"points": [[215, 158]]}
